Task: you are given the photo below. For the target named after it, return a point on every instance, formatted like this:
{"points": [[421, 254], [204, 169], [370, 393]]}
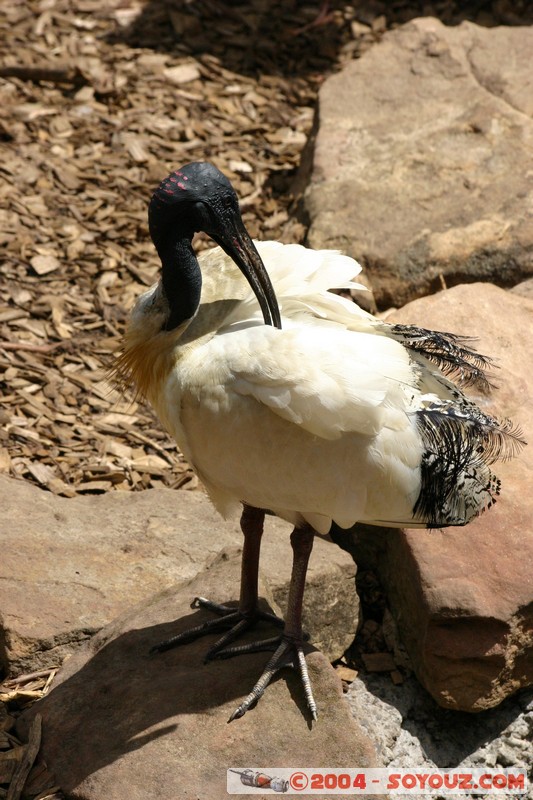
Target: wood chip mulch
{"points": [[100, 101], [22, 772]]}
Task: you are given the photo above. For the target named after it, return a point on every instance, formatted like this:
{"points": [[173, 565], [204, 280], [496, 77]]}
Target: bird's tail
{"points": [[461, 443]]}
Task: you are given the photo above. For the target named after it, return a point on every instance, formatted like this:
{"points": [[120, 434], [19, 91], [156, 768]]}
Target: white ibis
{"points": [[311, 409]]}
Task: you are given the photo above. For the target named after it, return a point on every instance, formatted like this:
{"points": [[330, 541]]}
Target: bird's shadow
{"points": [[122, 697]]}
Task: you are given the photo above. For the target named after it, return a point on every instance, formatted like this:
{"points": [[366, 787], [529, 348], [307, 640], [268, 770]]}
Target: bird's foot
{"points": [[288, 651], [288, 654], [229, 619]]}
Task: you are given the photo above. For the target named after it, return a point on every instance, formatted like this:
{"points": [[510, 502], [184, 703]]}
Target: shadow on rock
{"points": [[119, 717]]}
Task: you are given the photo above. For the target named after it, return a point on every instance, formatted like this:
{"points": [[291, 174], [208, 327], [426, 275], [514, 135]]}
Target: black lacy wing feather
{"points": [[460, 442], [451, 353]]}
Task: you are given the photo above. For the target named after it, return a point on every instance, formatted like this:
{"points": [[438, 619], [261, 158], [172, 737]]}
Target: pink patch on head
{"points": [[178, 173], [169, 191], [181, 185], [172, 179]]}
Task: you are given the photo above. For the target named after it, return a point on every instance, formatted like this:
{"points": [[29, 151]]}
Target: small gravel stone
{"points": [[411, 731]]}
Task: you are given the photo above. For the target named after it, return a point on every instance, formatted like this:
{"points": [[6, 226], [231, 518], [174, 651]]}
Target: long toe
{"points": [[229, 619], [288, 653], [260, 646], [210, 626], [246, 621]]}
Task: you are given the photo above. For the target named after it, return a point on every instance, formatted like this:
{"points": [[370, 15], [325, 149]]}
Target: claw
{"points": [[218, 608], [275, 663]]}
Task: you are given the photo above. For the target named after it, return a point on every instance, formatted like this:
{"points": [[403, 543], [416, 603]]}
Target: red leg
{"points": [[236, 620], [290, 650]]}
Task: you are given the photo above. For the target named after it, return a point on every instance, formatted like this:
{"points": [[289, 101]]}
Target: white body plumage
{"points": [[286, 397], [322, 420]]}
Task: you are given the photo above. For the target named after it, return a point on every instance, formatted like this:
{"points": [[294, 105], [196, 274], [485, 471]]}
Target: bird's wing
{"points": [[319, 378], [296, 270], [301, 279], [303, 421]]}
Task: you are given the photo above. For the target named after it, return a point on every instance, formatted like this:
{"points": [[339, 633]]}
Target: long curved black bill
{"points": [[240, 247]]}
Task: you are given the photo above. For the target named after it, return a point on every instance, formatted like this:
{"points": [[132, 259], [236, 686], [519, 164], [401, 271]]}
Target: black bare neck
{"points": [[182, 280]]}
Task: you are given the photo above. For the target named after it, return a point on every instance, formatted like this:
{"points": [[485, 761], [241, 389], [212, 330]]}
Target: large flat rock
{"points": [[70, 565], [463, 597], [120, 723], [423, 159]]}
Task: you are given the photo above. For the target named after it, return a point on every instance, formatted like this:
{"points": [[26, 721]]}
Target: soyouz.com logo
{"points": [[404, 782]]}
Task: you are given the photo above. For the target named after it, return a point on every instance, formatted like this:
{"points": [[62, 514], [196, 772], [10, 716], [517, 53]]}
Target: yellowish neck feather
{"points": [[146, 361]]}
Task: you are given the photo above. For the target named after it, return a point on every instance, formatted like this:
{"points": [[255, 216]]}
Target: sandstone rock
{"points": [[525, 288], [120, 723], [69, 565], [422, 159], [463, 597]]}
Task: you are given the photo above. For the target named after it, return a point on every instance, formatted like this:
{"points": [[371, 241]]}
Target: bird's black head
{"points": [[198, 197]]}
